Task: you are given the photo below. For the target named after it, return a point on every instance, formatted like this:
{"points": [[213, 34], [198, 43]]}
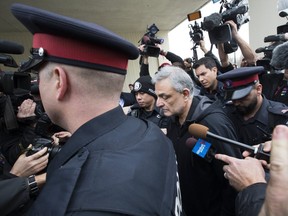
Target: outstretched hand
{"points": [[242, 173]]}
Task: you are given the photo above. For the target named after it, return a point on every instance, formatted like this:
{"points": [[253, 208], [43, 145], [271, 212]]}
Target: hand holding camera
{"points": [[27, 165]]}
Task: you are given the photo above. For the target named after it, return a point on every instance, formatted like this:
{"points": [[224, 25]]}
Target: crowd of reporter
{"points": [[260, 185]]}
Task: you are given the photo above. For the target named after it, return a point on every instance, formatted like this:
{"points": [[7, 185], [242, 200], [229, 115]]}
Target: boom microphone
{"points": [[279, 58], [202, 132], [275, 38], [211, 21], [10, 47]]}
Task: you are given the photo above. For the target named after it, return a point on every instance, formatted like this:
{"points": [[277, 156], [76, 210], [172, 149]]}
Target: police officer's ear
{"points": [[258, 87], [60, 75]]}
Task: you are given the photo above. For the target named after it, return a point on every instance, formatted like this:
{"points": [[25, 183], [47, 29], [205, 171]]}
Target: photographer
{"points": [[15, 141], [20, 184], [144, 68]]}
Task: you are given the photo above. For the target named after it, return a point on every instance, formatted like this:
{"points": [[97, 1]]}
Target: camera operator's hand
{"points": [[144, 57], [29, 165], [202, 46], [61, 136], [26, 109], [162, 51], [249, 55], [141, 47], [233, 27]]}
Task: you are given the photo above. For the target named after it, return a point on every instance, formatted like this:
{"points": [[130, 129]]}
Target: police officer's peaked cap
{"points": [[70, 41], [239, 82]]}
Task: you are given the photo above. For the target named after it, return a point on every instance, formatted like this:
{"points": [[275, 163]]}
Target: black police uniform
{"points": [[259, 128], [204, 189], [154, 116], [275, 87], [108, 167], [113, 164]]}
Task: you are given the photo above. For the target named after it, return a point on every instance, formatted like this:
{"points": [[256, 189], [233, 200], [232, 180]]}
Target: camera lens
{"points": [[40, 143]]}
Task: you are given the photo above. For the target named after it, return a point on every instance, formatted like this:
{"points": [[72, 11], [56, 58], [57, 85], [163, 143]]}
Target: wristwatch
{"points": [[33, 187]]}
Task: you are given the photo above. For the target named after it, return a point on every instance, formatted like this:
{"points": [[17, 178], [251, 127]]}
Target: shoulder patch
{"points": [[278, 110]]}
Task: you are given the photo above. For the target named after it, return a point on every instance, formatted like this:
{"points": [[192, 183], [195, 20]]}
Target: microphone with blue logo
{"points": [[203, 147]]}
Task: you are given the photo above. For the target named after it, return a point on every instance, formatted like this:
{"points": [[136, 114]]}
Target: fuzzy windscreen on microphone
{"points": [[282, 6], [280, 57], [198, 130], [212, 21]]}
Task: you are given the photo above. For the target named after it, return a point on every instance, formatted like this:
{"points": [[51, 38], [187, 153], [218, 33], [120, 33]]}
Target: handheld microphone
{"points": [[191, 142], [202, 132], [10, 47], [201, 148], [279, 58]]}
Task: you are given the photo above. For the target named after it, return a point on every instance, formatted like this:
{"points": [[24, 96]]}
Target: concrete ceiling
{"points": [[116, 15]]}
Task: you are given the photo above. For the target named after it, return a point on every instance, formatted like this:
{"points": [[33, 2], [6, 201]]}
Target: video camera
{"points": [[150, 40], [15, 86], [275, 40], [195, 33], [218, 31], [9, 81]]}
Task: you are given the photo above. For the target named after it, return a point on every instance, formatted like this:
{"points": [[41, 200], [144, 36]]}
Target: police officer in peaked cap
{"points": [[110, 165], [254, 115]]}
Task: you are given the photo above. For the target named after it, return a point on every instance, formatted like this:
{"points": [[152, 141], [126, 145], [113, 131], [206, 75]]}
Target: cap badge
{"points": [[228, 83]]}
